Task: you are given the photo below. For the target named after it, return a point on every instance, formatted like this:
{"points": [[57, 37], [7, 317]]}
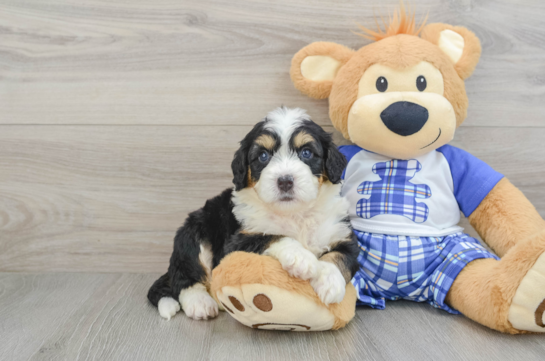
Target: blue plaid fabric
{"points": [[420, 269], [394, 194]]}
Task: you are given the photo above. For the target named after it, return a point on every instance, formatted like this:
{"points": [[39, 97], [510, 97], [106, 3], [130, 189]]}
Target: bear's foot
{"points": [[527, 310], [506, 295], [273, 308], [260, 294]]}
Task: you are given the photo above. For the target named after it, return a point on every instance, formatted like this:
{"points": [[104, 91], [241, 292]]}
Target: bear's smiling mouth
{"points": [[434, 140]]}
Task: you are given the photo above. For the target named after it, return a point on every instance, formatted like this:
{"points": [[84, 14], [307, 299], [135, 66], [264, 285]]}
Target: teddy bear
{"points": [[399, 100]]}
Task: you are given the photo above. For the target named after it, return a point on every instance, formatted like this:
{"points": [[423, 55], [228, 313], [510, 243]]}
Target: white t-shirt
{"points": [[417, 197]]}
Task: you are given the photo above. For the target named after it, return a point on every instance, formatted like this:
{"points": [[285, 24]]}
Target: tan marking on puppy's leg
{"points": [[302, 138], [206, 260]]}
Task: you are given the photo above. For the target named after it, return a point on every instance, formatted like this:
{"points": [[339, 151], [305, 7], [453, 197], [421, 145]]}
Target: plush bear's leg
{"points": [[506, 295], [259, 293]]}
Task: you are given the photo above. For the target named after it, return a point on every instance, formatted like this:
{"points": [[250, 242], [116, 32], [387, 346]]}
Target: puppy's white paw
{"points": [[294, 258], [168, 307], [329, 283], [197, 303], [201, 309], [299, 263]]}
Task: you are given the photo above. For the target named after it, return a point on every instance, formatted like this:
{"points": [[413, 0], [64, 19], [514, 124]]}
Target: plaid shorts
{"points": [[420, 269]]}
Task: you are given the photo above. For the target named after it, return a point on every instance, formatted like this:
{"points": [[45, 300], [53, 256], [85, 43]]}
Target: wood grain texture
{"points": [[109, 198], [215, 62], [118, 118], [107, 317]]}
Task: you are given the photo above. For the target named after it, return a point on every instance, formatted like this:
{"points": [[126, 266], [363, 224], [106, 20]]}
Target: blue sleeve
{"points": [[349, 151], [473, 179]]}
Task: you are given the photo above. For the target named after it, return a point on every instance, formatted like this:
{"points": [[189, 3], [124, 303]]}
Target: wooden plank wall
{"points": [[118, 118]]}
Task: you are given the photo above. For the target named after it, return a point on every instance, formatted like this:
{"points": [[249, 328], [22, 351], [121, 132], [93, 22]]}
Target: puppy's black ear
{"points": [[334, 164], [239, 166]]}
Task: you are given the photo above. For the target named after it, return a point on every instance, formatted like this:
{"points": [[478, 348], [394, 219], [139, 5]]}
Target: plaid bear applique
{"points": [[394, 194]]}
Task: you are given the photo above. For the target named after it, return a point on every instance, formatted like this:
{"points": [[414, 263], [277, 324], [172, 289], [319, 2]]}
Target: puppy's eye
{"points": [[382, 84], [263, 157], [421, 83], [306, 153]]}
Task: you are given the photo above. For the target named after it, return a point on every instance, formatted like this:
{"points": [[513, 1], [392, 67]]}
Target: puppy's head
{"points": [[286, 158]]}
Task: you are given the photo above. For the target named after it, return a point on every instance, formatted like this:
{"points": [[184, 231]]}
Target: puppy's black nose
{"points": [[285, 183], [404, 118]]}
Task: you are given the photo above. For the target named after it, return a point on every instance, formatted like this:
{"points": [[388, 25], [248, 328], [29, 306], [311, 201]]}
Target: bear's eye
{"points": [[382, 84], [421, 83]]}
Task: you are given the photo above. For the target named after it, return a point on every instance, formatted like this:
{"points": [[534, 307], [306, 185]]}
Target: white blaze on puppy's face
{"points": [[287, 176], [286, 181]]}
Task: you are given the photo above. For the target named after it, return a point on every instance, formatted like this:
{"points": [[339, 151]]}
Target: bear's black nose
{"points": [[404, 118]]}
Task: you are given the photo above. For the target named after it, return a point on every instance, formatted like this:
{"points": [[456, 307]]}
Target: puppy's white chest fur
{"points": [[316, 225]]}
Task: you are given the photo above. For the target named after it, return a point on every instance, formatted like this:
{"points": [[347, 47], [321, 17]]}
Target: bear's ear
{"points": [[461, 46], [314, 67]]}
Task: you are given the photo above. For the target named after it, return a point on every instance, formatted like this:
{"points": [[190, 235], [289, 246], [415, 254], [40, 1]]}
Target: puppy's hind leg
{"points": [[193, 295], [197, 303], [160, 295]]}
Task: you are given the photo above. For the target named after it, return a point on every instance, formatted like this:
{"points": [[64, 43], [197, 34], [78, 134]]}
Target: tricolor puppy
{"points": [[286, 204]]}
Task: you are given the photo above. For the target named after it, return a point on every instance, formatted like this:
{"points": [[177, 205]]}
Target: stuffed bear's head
{"points": [[400, 96]]}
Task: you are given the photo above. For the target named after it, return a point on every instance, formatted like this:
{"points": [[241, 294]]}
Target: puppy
{"points": [[286, 204]]}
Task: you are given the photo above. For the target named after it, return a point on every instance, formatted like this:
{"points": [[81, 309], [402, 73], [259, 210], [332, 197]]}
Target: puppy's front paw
{"points": [[329, 283], [299, 263], [168, 307], [294, 258]]}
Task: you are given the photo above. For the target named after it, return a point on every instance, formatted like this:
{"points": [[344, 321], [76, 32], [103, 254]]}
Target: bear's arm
{"points": [[504, 217], [498, 211]]}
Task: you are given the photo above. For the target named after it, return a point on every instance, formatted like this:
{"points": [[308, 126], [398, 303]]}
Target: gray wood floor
{"points": [[117, 118], [106, 317]]}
